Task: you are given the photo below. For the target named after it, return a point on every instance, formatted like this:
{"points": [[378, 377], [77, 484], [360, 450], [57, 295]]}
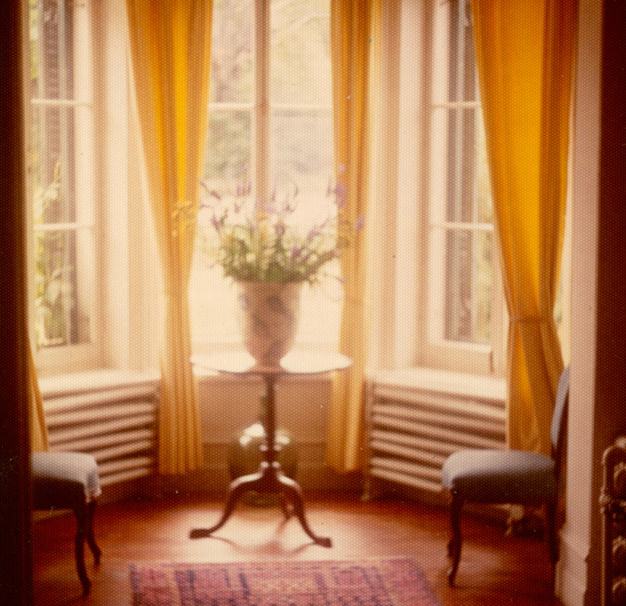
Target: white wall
{"points": [[575, 536], [598, 390]]}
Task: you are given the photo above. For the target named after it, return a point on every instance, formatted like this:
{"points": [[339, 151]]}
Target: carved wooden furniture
{"points": [[269, 479], [69, 480], [613, 509], [507, 476]]}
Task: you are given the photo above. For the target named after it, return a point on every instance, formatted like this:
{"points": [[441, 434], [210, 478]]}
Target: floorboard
{"points": [[495, 569]]}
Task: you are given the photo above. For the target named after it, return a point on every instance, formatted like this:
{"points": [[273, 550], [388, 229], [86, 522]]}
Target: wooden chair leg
{"points": [[84, 533], [454, 544], [551, 531], [79, 546], [91, 540]]}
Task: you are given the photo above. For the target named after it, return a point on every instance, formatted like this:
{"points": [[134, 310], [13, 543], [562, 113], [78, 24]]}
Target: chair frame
{"points": [[50, 494], [457, 500]]}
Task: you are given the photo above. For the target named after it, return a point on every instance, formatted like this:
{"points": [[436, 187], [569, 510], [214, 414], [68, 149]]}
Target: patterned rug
{"points": [[386, 582]]}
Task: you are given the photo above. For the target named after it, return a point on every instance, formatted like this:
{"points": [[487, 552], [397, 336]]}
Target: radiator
{"points": [[109, 415], [416, 419]]}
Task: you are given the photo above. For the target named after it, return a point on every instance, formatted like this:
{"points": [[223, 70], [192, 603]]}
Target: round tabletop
{"points": [[294, 363]]}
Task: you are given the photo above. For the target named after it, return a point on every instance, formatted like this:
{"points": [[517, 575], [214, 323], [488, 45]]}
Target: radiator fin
{"points": [[411, 430], [114, 422]]}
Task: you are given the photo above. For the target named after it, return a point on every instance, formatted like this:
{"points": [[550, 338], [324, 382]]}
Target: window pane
{"points": [[229, 145], [302, 149], [213, 301], [60, 319], [469, 284], [51, 43], [63, 286], [232, 74], [300, 61], [462, 82], [462, 243], [461, 166], [293, 140], [51, 167], [468, 196]]}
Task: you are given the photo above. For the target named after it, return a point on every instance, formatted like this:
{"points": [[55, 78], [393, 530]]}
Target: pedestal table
{"points": [[269, 479]]}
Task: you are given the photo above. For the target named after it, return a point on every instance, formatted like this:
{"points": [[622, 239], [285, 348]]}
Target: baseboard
{"points": [[571, 573]]}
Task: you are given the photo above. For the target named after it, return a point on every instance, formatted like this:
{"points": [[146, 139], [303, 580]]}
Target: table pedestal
{"points": [[269, 479]]}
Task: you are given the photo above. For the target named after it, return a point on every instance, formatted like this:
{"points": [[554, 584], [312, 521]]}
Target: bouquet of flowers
{"points": [[255, 242]]}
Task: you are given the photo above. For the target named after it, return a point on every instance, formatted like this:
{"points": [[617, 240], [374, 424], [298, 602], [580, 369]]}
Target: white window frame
{"points": [[439, 351], [404, 279], [261, 109], [85, 355], [125, 316]]}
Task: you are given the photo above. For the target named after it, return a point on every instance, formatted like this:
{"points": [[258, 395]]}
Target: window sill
{"points": [[440, 381]]}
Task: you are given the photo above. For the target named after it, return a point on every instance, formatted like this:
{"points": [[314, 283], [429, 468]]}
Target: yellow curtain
{"points": [[38, 428], [354, 44], [525, 55], [170, 46]]}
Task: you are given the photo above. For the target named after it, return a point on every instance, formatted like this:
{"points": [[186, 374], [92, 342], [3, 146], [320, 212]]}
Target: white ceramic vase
{"points": [[268, 314]]}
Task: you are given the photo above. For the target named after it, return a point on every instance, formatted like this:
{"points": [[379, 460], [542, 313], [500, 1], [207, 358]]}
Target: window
{"points": [[449, 309], [61, 179], [270, 122], [464, 298]]}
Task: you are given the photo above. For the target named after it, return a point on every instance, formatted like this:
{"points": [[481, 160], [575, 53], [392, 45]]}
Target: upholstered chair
{"points": [[507, 476], [69, 480]]}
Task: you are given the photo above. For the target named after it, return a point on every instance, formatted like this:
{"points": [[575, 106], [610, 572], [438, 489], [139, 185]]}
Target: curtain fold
{"points": [[170, 49], [525, 54], [354, 44]]}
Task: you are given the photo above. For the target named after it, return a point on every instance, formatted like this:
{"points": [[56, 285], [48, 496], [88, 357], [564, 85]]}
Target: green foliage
{"points": [[254, 242], [54, 292]]}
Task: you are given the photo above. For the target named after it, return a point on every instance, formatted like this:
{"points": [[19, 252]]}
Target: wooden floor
{"points": [[495, 569]]}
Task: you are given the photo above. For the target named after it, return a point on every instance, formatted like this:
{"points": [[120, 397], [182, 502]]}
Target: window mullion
{"points": [[261, 156]]}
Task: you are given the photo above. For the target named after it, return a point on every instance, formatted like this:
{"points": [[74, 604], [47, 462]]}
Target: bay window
{"points": [[270, 125]]}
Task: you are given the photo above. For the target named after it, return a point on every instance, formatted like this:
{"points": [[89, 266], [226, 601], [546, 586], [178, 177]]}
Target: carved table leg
{"points": [[268, 480]]}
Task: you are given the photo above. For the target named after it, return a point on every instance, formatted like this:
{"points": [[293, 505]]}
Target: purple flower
{"points": [[313, 234], [340, 193], [218, 223], [290, 206], [210, 193]]}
